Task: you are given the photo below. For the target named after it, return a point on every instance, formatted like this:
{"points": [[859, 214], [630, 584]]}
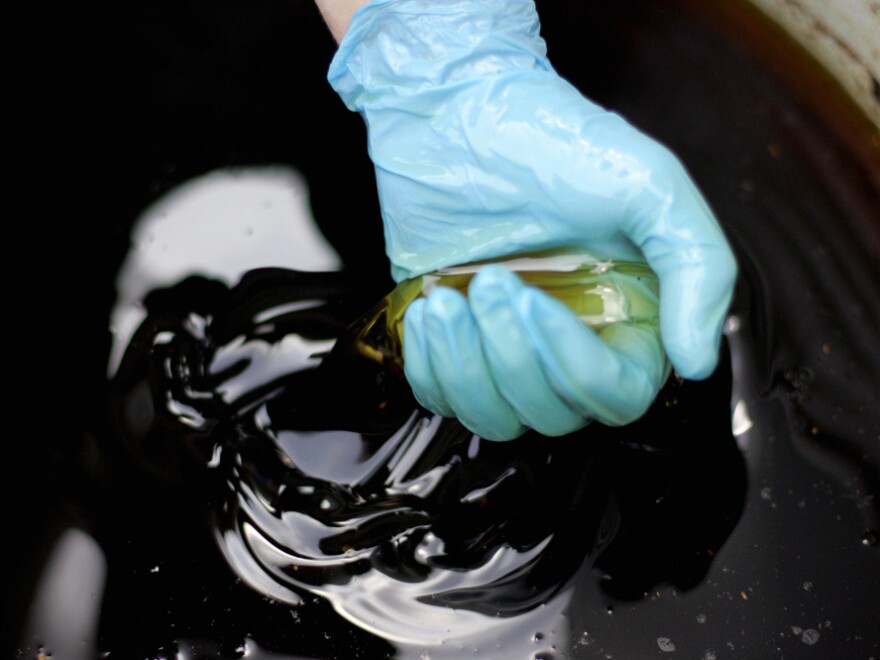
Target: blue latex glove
{"points": [[482, 150]]}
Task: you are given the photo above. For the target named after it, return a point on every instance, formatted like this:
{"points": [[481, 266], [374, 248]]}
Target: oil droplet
{"points": [[665, 644], [869, 538], [810, 636]]}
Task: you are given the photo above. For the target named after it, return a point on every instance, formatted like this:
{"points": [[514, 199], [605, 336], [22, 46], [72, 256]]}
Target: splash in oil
{"points": [[330, 482]]}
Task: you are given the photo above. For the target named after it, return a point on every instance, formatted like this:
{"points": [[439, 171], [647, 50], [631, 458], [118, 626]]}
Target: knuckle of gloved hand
{"points": [[663, 166], [636, 399], [624, 416], [723, 262], [555, 429], [496, 430]]}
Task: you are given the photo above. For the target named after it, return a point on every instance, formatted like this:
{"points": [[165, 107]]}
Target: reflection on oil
{"points": [[218, 225], [67, 604]]}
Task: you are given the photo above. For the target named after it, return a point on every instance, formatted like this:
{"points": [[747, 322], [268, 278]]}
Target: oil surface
{"points": [[225, 493]]}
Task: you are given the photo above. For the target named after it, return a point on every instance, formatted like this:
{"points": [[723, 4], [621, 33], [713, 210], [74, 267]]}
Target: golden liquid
{"points": [[599, 292]]}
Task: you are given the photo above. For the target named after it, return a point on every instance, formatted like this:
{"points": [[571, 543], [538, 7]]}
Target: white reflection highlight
{"points": [[219, 225], [64, 615], [741, 421]]}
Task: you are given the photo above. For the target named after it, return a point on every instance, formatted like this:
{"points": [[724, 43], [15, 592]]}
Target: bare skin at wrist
{"points": [[338, 13]]}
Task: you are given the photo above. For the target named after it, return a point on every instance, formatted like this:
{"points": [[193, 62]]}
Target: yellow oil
{"points": [[599, 292]]}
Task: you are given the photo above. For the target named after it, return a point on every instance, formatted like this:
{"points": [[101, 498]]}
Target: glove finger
{"points": [[685, 246], [613, 378], [417, 365], [511, 355], [460, 369], [694, 299]]}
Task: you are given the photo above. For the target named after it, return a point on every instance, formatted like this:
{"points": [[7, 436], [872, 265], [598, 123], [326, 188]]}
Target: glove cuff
{"points": [[395, 49]]}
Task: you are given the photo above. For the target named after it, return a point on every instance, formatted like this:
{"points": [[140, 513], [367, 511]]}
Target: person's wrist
{"points": [[338, 13]]}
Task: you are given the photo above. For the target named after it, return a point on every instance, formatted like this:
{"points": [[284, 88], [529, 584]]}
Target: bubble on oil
{"points": [[584, 639], [665, 644], [810, 636]]}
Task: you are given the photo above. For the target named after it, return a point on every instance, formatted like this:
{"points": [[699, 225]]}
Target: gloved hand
{"points": [[482, 150]]}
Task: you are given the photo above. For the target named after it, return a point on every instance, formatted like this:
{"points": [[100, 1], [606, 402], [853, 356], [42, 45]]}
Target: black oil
{"points": [[229, 491]]}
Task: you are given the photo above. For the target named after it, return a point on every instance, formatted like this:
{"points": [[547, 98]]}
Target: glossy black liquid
{"points": [[668, 534]]}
